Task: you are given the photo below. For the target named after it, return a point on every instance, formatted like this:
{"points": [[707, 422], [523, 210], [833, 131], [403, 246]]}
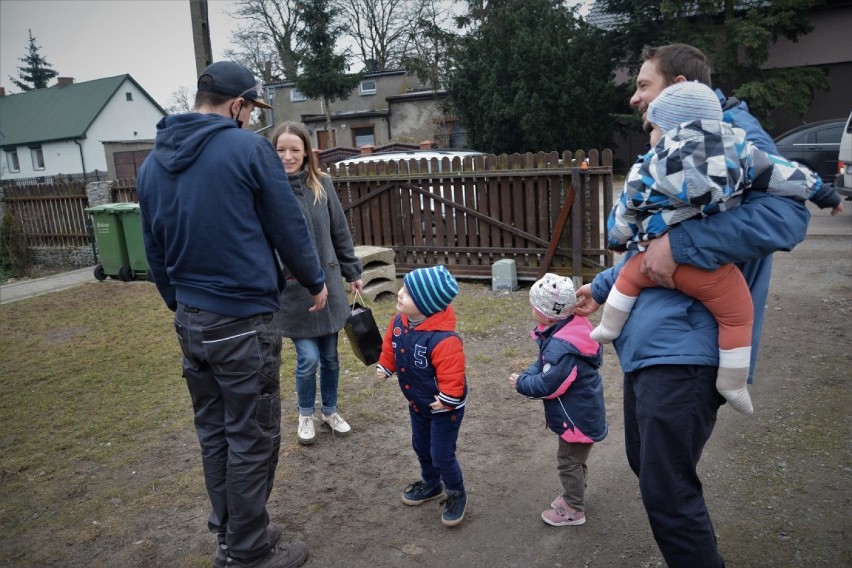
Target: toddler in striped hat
{"points": [[422, 347]]}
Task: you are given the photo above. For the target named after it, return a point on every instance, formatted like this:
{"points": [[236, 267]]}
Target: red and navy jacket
{"points": [[428, 361]]}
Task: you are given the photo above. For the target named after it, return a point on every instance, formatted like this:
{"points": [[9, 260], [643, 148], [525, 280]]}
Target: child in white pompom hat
{"points": [[565, 377]]}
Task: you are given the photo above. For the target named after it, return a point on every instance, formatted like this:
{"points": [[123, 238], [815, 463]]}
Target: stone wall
{"points": [[66, 258]]}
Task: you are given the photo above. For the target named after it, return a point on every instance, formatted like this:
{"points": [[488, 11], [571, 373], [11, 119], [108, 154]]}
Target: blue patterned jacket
{"points": [[697, 169]]}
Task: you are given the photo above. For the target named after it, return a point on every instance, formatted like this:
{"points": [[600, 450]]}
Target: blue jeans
{"points": [[231, 366], [433, 437], [669, 414], [312, 352]]}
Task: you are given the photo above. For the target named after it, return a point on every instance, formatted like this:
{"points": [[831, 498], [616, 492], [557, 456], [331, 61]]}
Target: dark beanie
{"points": [[431, 289]]}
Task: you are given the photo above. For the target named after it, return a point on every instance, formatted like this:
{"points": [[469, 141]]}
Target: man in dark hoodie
{"points": [[216, 206]]}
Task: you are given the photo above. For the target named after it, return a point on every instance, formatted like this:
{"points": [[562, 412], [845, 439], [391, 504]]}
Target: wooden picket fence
{"points": [[53, 215], [545, 211]]}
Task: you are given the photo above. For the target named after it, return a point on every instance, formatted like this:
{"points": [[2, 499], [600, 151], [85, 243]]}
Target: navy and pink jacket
{"points": [[565, 377]]}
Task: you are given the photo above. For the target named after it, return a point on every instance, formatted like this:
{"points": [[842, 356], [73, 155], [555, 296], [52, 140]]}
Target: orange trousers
{"points": [[723, 292]]}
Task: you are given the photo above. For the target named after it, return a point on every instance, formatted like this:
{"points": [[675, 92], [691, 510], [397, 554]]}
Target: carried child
{"points": [[422, 347], [565, 377], [699, 165]]}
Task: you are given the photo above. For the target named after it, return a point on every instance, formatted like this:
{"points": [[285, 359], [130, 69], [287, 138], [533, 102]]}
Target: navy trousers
{"points": [[231, 366], [433, 437], [669, 414]]}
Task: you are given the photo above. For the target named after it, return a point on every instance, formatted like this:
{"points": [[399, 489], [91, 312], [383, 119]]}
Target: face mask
{"points": [[257, 93], [237, 118]]}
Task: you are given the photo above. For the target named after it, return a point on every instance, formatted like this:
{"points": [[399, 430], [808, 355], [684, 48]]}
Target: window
{"points": [[368, 87], [363, 136], [38, 158], [830, 135], [128, 95], [296, 95], [12, 160]]}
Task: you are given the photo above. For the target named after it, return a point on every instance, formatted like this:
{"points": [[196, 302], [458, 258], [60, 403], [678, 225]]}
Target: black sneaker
{"points": [[418, 493], [289, 555], [454, 506], [221, 558]]}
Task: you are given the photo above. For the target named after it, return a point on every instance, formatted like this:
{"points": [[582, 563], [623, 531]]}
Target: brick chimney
{"points": [[426, 145], [64, 81], [2, 91]]}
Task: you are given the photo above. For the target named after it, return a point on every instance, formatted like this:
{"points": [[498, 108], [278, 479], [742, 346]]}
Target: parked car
{"points": [[814, 145], [844, 161], [405, 155]]}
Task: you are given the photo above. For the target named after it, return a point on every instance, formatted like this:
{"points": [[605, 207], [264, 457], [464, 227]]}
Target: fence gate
{"points": [[468, 214]]}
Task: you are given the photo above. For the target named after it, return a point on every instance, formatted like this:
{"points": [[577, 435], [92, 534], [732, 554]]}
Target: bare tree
{"points": [[180, 101], [381, 29], [432, 43], [269, 35]]}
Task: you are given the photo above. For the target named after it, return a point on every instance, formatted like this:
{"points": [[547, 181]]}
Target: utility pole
{"points": [[200, 35]]}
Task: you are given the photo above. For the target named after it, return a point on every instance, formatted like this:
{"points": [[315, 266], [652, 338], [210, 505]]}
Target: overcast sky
{"points": [[89, 39]]}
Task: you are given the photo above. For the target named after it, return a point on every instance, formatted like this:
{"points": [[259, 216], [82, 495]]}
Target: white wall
{"points": [[120, 120], [59, 158]]}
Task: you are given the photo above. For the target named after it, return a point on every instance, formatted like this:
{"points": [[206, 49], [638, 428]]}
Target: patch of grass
{"points": [[93, 394]]}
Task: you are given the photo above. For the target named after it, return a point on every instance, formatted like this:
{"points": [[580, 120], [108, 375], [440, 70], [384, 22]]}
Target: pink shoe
{"points": [[559, 503], [562, 516]]}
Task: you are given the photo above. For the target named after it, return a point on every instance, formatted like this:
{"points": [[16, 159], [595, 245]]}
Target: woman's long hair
{"points": [[310, 163]]}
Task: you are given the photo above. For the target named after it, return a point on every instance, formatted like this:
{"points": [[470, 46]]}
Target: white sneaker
{"points": [[337, 424], [307, 435]]}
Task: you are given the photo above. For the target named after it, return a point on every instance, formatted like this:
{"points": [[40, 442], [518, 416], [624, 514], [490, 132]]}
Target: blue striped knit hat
{"points": [[431, 289], [684, 102]]}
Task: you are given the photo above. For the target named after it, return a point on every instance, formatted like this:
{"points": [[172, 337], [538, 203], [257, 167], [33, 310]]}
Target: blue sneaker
{"points": [[418, 493], [454, 506]]}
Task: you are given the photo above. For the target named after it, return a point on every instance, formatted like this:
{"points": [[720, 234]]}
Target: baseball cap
{"points": [[229, 78]]}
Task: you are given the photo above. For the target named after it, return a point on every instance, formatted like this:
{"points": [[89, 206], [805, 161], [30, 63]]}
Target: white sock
{"points": [[732, 378], [616, 311]]}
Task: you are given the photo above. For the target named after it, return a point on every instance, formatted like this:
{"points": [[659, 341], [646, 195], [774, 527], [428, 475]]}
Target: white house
{"points": [[63, 129]]}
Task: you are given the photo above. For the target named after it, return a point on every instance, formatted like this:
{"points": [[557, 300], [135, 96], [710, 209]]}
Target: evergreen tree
{"points": [[36, 71], [532, 77], [736, 35], [324, 73]]}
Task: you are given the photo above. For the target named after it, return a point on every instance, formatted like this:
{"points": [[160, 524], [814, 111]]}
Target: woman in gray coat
{"points": [[315, 334]]}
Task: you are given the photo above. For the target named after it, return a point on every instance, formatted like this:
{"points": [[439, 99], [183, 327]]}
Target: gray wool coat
{"points": [[337, 257]]}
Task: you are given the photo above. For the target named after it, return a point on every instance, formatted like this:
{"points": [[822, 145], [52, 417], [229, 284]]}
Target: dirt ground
{"points": [[777, 483]]}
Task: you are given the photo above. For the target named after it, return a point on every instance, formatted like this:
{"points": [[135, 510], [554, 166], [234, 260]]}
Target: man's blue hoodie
{"points": [[215, 206]]}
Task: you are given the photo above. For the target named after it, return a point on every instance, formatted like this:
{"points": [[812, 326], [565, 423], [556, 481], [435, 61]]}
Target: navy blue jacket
{"points": [[215, 206], [566, 378]]}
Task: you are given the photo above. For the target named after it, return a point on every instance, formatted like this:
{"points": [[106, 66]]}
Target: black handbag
{"points": [[363, 333]]}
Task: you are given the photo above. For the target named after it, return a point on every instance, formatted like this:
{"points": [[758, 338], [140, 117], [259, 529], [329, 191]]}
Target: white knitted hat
{"points": [[684, 102], [553, 297]]}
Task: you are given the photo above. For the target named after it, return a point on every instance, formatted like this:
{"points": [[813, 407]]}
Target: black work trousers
{"points": [[231, 366]]}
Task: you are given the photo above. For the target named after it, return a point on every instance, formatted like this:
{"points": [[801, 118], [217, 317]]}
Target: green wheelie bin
{"points": [[109, 236], [131, 223]]}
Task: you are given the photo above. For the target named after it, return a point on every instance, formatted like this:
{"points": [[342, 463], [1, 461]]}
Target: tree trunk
{"points": [[332, 136]]}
